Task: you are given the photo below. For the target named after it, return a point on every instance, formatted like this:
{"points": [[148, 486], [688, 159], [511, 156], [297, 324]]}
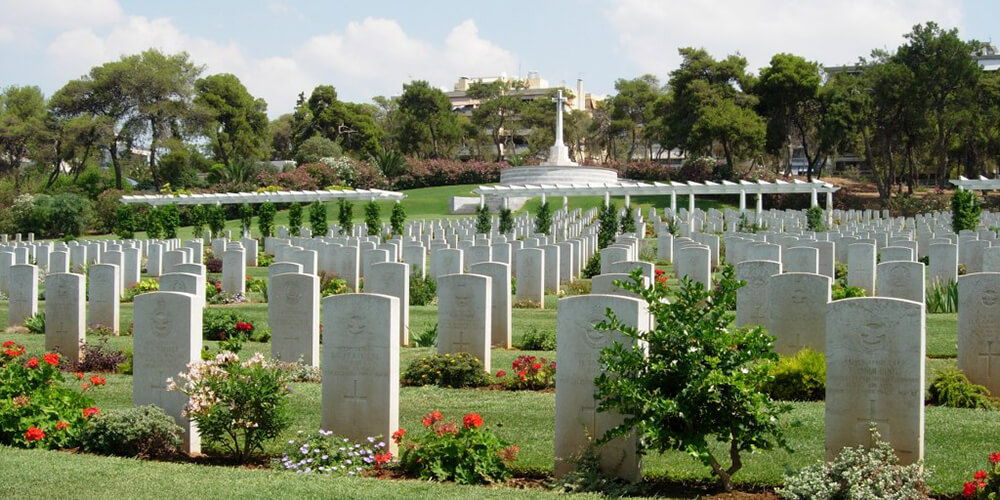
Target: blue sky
{"points": [[279, 48]]}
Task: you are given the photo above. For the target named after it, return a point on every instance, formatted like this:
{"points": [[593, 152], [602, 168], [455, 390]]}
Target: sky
{"points": [[279, 48]]}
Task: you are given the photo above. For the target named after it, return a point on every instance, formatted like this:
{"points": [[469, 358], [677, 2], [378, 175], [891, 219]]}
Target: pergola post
{"points": [[506, 203], [607, 199], [673, 203], [813, 202], [544, 199], [690, 205], [829, 200], [743, 201], [482, 201], [760, 206], [565, 201], [628, 201]]}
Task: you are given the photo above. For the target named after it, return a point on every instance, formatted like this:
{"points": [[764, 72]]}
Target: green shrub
{"points": [[295, 218], [36, 323], [397, 219], [607, 218], [952, 388], [238, 406], [265, 219], [216, 219], [626, 224], [144, 431], [538, 340], [198, 217], [170, 220], [447, 370], [543, 220], [264, 259], [942, 297], [373, 218], [858, 474], [145, 286], [506, 221], [814, 219], [69, 215], [846, 292], [576, 287], [330, 284], [224, 324], [426, 338], [484, 223], [422, 289], [447, 451], [840, 271], [317, 219], [965, 210], [246, 218], [593, 267], [798, 378], [345, 215], [125, 223]]}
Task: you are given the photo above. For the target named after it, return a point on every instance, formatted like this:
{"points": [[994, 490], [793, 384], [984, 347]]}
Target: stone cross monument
{"points": [[559, 153]]}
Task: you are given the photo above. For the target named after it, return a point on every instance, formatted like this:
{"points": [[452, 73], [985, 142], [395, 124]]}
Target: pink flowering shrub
{"points": [[428, 173], [238, 406]]}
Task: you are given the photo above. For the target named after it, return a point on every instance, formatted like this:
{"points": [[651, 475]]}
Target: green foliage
{"points": [[858, 474], [317, 218], [426, 338], [373, 218], [700, 381], [798, 378], [125, 223], [483, 221], [330, 284], [66, 214], [447, 370], [144, 431], [38, 409], [608, 221], [466, 454], [295, 218], [942, 297], [228, 323], [814, 219], [198, 216], [593, 267], [238, 406], [236, 123], [246, 218], [965, 211], [745, 225], [397, 219], [170, 220], [36, 323], [506, 221], [422, 289], [543, 220], [345, 215], [529, 373], [389, 162], [626, 223], [265, 219], [588, 476], [985, 483], [538, 340], [216, 218], [846, 292], [952, 388], [315, 148], [324, 453], [144, 286], [427, 125]]}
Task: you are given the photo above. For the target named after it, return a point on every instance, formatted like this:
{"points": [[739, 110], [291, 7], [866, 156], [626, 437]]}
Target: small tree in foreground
{"points": [[814, 219], [608, 222], [543, 221], [295, 218], [483, 222], [373, 218], [699, 382], [317, 218], [345, 215], [397, 219], [965, 210], [216, 219], [125, 223], [265, 219], [506, 221]]}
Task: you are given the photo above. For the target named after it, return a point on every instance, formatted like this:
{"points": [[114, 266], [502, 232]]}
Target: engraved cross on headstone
{"points": [[989, 355], [354, 397]]}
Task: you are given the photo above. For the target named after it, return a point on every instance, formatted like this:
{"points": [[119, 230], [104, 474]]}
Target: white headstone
{"points": [[65, 315], [978, 335], [797, 306], [464, 315], [104, 292], [293, 315], [499, 275]]}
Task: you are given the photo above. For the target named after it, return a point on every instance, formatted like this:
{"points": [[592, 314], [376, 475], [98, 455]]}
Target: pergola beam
{"points": [[261, 197]]}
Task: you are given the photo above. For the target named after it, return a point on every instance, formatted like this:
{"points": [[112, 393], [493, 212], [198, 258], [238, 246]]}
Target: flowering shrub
{"points": [[447, 370], [144, 286], [660, 278], [225, 298], [529, 372], [213, 287], [237, 405], [447, 451], [985, 483], [324, 453], [37, 409], [98, 357], [256, 285], [225, 324], [538, 340], [213, 265], [330, 284], [145, 431], [429, 173]]}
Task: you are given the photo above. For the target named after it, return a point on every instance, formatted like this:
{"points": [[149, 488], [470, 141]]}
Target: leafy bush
{"points": [[798, 378], [345, 215], [506, 221], [543, 219], [99, 357], [198, 217], [846, 292], [426, 338], [484, 223], [216, 218], [626, 223], [466, 454], [529, 373], [700, 380], [264, 259], [223, 324], [69, 216], [170, 220], [397, 219], [607, 219], [256, 285], [295, 218], [324, 453], [144, 431], [237, 405], [330, 284], [814, 219], [985, 484], [576, 287], [213, 265], [245, 212], [145, 286], [37, 408], [373, 218], [317, 218], [422, 289], [942, 297], [438, 172], [265, 219], [36, 323], [965, 210], [952, 388], [447, 370], [858, 474], [538, 340], [125, 222], [840, 271], [593, 267]]}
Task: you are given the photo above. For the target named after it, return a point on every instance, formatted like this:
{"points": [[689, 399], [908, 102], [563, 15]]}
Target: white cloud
{"points": [[829, 32], [23, 17]]}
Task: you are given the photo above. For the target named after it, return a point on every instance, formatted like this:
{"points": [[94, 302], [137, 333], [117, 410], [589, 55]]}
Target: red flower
{"points": [[34, 434], [85, 386], [970, 488], [536, 366], [472, 420], [382, 458], [51, 358], [446, 428], [432, 417], [33, 363], [398, 436], [501, 374], [13, 353], [980, 474], [995, 457], [88, 412], [95, 380], [522, 374], [61, 425], [8, 343], [552, 366], [79, 375]]}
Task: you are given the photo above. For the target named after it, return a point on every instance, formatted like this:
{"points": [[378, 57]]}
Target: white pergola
{"points": [[980, 184], [261, 197], [632, 188]]}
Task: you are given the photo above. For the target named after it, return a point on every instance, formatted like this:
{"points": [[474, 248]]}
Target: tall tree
{"points": [[22, 120], [633, 111], [349, 124], [282, 138], [500, 106], [427, 117], [235, 122], [789, 89]]}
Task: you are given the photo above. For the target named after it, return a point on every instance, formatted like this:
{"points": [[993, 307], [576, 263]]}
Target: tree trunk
{"points": [[152, 155], [116, 162]]}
